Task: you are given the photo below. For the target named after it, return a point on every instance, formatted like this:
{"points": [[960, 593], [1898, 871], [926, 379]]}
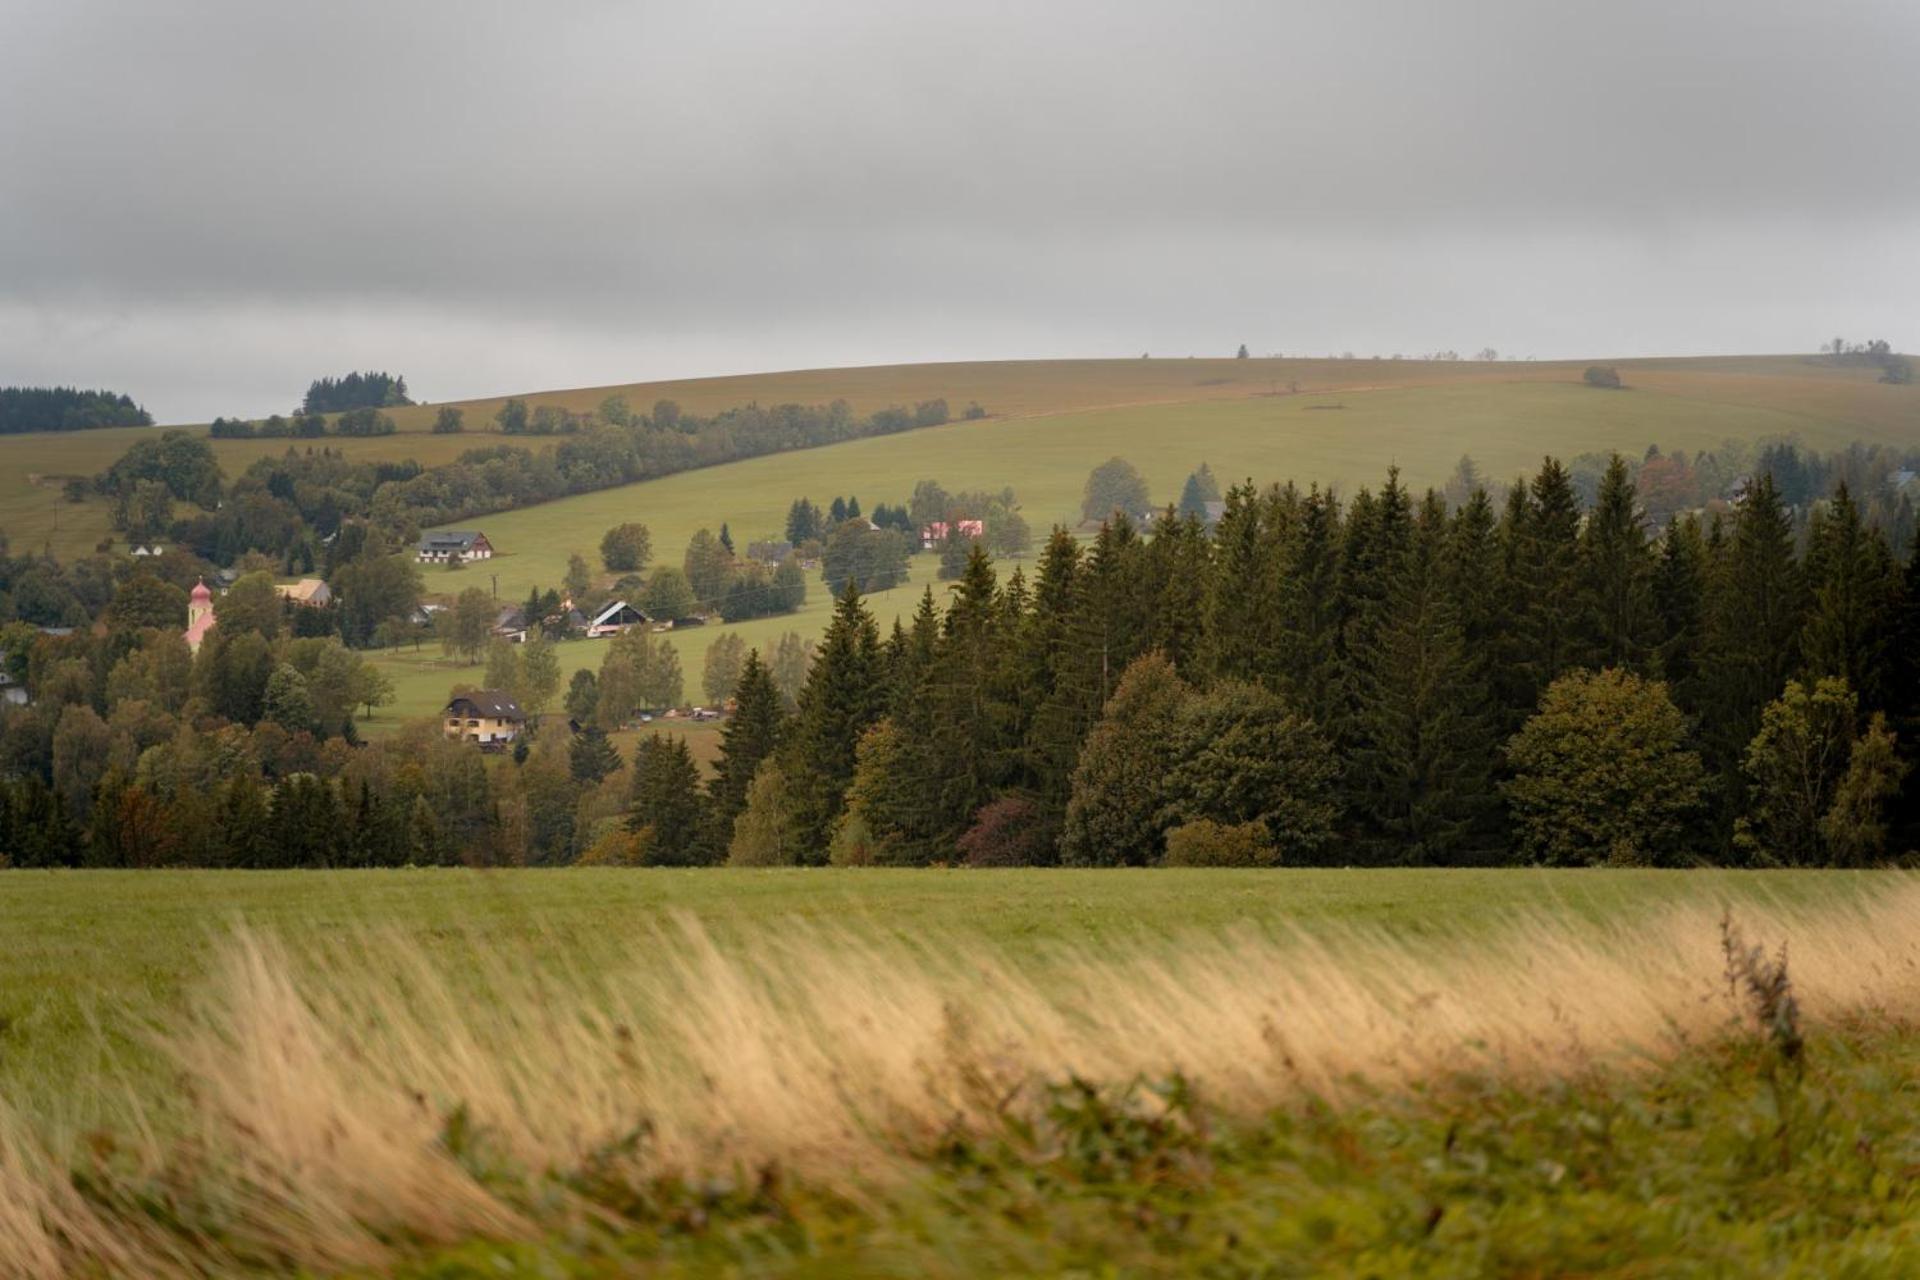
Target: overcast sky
{"points": [[208, 204]]}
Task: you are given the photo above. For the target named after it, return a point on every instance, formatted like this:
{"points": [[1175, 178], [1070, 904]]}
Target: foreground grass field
{"points": [[579, 1074], [115, 951]]}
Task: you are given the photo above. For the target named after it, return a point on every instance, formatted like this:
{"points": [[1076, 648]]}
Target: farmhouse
{"points": [[199, 616], [440, 548], [486, 716], [312, 592], [932, 535], [510, 624], [616, 618]]}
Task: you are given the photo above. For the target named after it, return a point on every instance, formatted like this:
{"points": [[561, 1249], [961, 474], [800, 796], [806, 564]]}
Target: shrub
{"points": [[1207, 843], [1008, 832], [1602, 375]]}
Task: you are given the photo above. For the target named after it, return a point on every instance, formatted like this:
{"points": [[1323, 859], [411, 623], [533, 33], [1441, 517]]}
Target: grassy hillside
{"points": [[1053, 421], [1345, 438], [33, 467]]}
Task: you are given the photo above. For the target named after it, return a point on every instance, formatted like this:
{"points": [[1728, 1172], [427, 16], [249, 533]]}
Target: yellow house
{"points": [[486, 716]]}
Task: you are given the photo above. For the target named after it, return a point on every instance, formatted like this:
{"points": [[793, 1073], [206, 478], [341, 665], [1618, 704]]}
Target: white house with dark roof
{"points": [[463, 545], [614, 619]]}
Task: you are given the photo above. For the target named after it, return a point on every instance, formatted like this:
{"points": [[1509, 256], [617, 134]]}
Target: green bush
{"points": [[1207, 843]]}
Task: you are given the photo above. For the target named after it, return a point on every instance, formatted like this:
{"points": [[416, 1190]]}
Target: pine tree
{"points": [[1549, 577], [970, 749], [1102, 632], [1200, 489], [1313, 610], [1616, 601], [1235, 615], [1679, 594], [591, 756], [1178, 565], [842, 697], [750, 737], [663, 807], [1048, 741], [1754, 615], [1855, 588], [1419, 780]]}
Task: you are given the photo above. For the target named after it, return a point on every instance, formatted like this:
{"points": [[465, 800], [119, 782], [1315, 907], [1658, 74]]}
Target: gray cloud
{"points": [[209, 203]]}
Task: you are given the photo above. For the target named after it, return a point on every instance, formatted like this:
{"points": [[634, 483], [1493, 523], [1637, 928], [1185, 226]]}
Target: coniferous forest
{"points": [[1390, 679]]}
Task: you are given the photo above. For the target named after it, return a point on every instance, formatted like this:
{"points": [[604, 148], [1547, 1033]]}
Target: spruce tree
{"points": [[1679, 595], [1754, 616], [591, 756], [1178, 565], [1104, 631], [1422, 755], [843, 696], [1855, 589], [1312, 610], [1549, 579], [1049, 741], [1616, 570], [663, 805], [971, 751], [749, 737], [1236, 615], [1200, 489]]}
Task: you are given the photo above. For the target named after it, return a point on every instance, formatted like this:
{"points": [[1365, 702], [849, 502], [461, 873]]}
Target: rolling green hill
{"points": [[1053, 420], [1506, 425], [33, 468]]}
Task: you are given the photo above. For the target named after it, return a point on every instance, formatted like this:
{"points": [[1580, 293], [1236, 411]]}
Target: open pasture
{"points": [[1507, 427], [34, 467], [93, 957], [587, 1073]]}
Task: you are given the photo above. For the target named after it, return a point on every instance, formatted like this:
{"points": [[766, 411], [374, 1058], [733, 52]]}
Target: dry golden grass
{"points": [[343, 1104]]}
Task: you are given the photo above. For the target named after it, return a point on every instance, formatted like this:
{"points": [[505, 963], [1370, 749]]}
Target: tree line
{"points": [[67, 409], [1384, 680], [368, 390], [285, 506]]}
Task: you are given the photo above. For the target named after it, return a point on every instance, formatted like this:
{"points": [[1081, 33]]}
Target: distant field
{"points": [[1506, 426], [33, 468], [1053, 421], [115, 952]]}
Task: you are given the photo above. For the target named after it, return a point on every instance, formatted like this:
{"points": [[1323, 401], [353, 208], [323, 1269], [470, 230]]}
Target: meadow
{"points": [[583, 1073], [1507, 426], [33, 468]]}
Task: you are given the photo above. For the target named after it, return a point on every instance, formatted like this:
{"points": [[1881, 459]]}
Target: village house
{"points": [[615, 619], [12, 691], [510, 624], [486, 716], [937, 532], [312, 592], [441, 548], [199, 616]]}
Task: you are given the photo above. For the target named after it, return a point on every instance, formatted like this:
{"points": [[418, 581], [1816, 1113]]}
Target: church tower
{"points": [[199, 615]]}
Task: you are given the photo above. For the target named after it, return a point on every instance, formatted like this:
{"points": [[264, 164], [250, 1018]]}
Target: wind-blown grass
{"points": [[360, 1102]]}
